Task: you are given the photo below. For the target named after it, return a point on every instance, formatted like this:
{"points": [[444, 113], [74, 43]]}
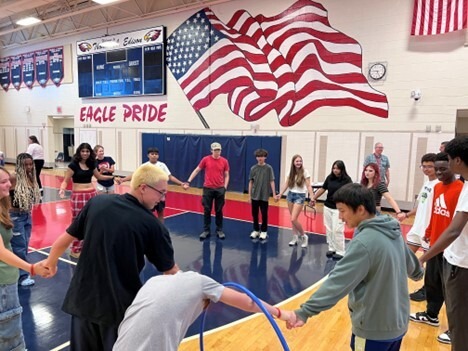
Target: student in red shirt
{"points": [[445, 200], [214, 188]]}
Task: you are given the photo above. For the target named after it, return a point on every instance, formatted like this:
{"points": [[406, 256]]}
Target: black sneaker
{"points": [[418, 295], [220, 234], [337, 257], [204, 235], [330, 254], [423, 317], [445, 337]]}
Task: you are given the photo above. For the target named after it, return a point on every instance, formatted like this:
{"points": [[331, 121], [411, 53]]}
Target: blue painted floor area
{"points": [[272, 270]]}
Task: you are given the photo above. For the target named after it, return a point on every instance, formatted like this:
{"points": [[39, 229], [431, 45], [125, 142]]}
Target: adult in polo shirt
{"points": [[214, 188]]}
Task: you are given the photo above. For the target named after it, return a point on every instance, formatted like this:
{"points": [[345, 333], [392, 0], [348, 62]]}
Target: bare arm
{"points": [[194, 174], [11, 259], [449, 235], [175, 180], [317, 194], [100, 176], [68, 175], [400, 215], [387, 176], [309, 188], [242, 301], [273, 188], [58, 248], [226, 179], [283, 189], [250, 189]]}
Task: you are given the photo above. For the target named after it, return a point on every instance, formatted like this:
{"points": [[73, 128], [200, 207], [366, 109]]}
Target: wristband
{"points": [[279, 313], [32, 271]]}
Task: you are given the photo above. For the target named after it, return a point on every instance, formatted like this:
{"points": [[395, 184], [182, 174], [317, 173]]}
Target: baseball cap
{"points": [[216, 146]]}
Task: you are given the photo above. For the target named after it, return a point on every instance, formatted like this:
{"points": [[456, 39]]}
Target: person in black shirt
{"points": [[120, 230], [333, 224]]}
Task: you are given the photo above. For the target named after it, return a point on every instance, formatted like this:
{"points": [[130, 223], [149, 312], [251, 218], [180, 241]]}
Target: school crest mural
{"points": [[292, 63]]}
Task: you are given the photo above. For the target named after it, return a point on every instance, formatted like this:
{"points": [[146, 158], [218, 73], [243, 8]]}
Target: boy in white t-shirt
{"points": [[422, 213], [454, 243]]}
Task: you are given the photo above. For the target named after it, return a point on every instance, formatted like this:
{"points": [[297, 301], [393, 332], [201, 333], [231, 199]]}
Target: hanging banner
{"points": [[16, 74], [42, 67], [5, 78], [29, 69], [56, 65]]}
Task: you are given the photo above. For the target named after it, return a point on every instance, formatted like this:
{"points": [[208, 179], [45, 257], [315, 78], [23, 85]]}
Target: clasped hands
{"points": [[45, 269], [291, 319]]}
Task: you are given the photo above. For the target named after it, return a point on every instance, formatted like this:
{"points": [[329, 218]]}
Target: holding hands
{"points": [[290, 317]]}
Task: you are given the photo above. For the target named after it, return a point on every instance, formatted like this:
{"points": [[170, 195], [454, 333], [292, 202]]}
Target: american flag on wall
{"points": [[439, 16], [291, 64]]}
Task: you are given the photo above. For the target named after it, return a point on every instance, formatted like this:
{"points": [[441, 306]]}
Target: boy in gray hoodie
{"points": [[373, 273]]}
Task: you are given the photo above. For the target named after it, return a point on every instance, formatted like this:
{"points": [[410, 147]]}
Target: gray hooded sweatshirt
{"points": [[374, 273]]}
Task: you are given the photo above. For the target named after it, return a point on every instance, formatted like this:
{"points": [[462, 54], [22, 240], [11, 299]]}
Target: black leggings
{"points": [[38, 164]]}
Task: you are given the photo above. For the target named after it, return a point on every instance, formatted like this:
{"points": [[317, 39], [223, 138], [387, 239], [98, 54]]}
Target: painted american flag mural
{"points": [[291, 64]]}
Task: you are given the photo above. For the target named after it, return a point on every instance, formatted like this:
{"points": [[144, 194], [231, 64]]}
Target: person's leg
{"points": [[361, 344], [434, 286], [219, 204], [11, 331], [20, 238], [89, 336], [338, 233], [264, 211], [456, 297], [328, 221], [255, 208], [38, 164], [207, 202]]}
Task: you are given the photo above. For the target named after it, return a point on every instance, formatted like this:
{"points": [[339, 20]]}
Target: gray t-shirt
{"points": [[163, 310], [261, 176]]}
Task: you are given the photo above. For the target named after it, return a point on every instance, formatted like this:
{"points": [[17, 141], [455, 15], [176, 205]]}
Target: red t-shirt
{"points": [[214, 171], [443, 208]]}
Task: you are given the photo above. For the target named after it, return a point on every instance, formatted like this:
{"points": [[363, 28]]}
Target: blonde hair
{"points": [[147, 174], [296, 176], [26, 190], [5, 208]]}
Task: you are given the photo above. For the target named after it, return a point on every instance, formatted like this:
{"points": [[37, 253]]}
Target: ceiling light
{"points": [[27, 21], [105, 2]]}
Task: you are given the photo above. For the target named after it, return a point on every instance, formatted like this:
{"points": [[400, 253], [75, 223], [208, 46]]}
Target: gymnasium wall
{"points": [[435, 65]]}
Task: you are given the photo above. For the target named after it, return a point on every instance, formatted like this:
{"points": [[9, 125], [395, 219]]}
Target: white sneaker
{"points": [[27, 281], [263, 235], [254, 234], [305, 240], [293, 242]]}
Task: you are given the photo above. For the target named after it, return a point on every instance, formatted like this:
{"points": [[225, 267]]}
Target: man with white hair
{"points": [[381, 160]]}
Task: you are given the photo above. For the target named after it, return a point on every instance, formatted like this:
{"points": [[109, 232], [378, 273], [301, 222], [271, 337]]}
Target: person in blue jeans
{"points": [[24, 193]]}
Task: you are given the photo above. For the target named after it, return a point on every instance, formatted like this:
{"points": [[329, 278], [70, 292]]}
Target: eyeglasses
{"points": [[426, 167], [162, 193]]}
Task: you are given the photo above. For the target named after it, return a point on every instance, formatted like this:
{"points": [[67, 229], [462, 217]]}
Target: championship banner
{"points": [[42, 67], [16, 74], [29, 69], [56, 65], [5, 78]]}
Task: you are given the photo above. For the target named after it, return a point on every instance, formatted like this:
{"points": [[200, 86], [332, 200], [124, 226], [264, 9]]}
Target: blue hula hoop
{"points": [[259, 304]]}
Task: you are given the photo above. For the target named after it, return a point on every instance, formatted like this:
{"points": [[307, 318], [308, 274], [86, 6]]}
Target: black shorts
{"points": [[159, 207]]}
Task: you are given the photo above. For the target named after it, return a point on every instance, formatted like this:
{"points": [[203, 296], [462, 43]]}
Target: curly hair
{"points": [[90, 162], [26, 189]]}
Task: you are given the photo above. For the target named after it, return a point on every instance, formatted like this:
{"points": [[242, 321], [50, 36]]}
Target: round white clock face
{"points": [[377, 71]]}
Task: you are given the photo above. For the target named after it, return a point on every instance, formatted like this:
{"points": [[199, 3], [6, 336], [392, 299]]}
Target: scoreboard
{"points": [[136, 67]]}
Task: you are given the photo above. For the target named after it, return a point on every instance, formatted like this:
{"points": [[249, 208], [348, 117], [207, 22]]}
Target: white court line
{"points": [[61, 347], [47, 254]]}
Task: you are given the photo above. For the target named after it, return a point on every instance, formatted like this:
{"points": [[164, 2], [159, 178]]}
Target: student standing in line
{"points": [[261, 181], [24, 194], [105, 166], [153, 159], [333, 224], [422, 213], [373, 273], [298, 184], [11, 331], [81, 170], [371, 179], [454, 243], [446, 194], [214, 189], [37, 152]]}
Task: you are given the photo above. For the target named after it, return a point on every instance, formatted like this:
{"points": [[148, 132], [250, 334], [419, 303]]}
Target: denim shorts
{"points": [[11, 331], [296, 198]]}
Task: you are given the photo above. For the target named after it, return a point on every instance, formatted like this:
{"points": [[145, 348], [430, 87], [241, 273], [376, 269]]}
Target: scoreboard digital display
{"points": [[135, 68]]}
